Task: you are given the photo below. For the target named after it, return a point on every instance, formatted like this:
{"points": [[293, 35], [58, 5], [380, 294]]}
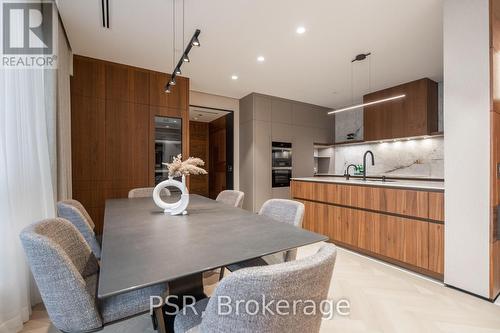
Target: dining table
{"points": [[142, 246]]}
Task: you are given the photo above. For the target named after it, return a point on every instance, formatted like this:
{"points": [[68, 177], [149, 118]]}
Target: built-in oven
{"points": [[282, 154], [281, 164], [281, 177]]}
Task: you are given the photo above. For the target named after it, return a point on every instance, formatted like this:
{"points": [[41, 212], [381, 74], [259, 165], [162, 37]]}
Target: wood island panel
{"points": [[436, 206], [401, 226], [436, 248]]}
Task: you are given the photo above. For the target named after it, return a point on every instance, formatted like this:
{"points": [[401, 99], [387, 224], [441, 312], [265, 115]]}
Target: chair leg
{"points": [[160, 321], [221, 274]]}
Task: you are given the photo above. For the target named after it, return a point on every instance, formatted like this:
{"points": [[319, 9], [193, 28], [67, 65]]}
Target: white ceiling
{"points": [[404, 37]]}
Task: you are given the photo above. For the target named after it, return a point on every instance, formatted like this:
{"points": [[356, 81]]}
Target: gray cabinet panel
{"points": [[282, 132], [281, 111], [303, 151], [262, 163], [246, 109], [262, 108], [281, 193], [246, 163]]}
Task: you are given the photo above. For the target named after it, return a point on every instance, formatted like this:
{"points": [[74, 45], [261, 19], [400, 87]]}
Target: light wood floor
{"points": [[383, 299]]}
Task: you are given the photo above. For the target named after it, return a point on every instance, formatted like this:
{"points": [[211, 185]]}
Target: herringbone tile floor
{"points": [[383, 299]]}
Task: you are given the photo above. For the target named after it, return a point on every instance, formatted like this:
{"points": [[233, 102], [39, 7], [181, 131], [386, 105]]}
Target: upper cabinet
{"points": [[414, 115]]}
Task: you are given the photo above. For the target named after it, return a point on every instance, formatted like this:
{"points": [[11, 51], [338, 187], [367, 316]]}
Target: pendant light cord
{"points": [[183, 25], [173, 30], [352, 83]]}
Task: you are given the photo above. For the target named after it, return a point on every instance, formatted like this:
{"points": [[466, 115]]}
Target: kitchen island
{"points": [[399, 221]]}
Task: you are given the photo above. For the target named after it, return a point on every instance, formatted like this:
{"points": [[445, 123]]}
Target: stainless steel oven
{"points": [[281, 164], [282, 154], [281, 177]]}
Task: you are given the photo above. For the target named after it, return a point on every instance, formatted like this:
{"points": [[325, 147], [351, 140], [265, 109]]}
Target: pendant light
{"points": [[361, 57], [367, 104]]}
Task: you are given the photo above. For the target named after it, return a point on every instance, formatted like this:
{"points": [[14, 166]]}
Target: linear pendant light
{"points": [[184, 58], [367, 104]]}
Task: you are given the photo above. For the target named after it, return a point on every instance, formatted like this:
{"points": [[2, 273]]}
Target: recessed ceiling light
{"points": [[300, 30], [195, 118], [260, 59], [234, 77]]}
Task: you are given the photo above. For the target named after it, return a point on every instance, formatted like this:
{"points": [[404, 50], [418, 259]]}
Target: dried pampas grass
{"points": [[191, 166]]}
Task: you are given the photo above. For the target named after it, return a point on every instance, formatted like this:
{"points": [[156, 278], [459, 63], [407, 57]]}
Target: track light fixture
{"points": [[195, 42], [185, 58]]}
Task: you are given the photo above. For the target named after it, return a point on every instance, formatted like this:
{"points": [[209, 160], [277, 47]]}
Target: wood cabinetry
{"points": [[398, 225], [414, 115], [198, 143], [112, 128]]}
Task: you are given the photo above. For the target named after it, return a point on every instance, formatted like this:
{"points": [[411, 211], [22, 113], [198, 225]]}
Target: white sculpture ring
{"points": [[174, 208]]}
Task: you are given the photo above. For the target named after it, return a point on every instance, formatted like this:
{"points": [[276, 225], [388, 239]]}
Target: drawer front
{"points": [[396, 201]]}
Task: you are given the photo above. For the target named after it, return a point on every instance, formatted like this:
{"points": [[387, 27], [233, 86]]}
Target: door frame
{"points": [[229, 143]]}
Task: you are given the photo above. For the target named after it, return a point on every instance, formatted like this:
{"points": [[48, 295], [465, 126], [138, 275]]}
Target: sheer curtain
{"points": [[35, 169], [26, 191]]}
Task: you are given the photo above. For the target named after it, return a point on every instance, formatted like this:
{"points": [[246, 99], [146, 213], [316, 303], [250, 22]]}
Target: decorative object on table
{"points": [[178, 168]]}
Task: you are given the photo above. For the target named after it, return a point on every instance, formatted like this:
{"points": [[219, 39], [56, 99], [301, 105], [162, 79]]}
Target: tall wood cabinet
{"points": [[414, 115], [112, 128]]}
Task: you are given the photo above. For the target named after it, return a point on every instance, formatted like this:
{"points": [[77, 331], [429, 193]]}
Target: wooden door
{"points": [[217, 156], [199, 147]]}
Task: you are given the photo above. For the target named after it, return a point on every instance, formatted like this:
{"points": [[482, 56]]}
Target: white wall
{"points": [[226, 103], [467, 144]]}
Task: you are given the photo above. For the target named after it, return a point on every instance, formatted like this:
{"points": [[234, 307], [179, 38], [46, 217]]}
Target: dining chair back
{"points": [[61, 261], [286, 211], [231, 197], [67, 273], [144, 192], [74, 212], [243, 296]]}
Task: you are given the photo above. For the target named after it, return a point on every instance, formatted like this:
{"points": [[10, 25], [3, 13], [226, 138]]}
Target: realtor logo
{"points": [[28, 34]]}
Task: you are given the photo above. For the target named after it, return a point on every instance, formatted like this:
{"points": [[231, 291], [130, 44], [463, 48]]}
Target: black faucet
{"points": [[364, 162], [347, 175]]}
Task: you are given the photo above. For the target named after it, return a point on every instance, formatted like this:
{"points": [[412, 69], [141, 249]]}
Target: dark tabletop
{"points": [[142, 246]]}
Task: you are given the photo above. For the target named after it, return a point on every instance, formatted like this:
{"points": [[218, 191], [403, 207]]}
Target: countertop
{"points": [[435, 186]]}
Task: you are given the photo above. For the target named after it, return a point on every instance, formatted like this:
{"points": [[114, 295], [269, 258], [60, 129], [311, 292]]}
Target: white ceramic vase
{"points": [[174, 208]]}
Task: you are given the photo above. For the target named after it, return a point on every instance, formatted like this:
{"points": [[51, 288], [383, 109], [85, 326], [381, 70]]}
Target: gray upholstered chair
{"points": [[300, 281], [282, 210], [73, 211], [231, 197], [66, 273], [144, 192]]}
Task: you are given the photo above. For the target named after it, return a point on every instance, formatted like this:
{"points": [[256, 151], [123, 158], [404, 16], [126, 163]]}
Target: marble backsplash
{"points": [[412, 158]]}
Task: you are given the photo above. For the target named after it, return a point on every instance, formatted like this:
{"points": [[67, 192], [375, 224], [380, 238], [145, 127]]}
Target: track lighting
{"points": [[185, 58], [195, 41]]}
